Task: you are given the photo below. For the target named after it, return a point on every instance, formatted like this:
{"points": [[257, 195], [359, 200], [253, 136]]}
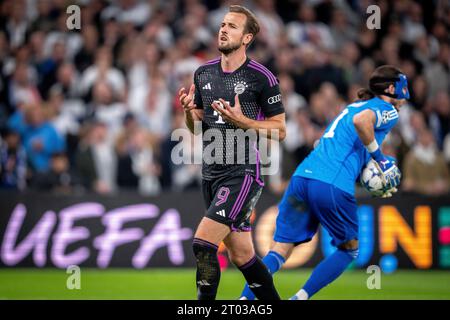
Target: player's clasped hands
{"points": [[230, 114]]}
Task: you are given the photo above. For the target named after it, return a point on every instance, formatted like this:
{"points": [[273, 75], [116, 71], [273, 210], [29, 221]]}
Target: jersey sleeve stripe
{"points": [[379, 118], [260, 66], [266, 73], [213, 61]]}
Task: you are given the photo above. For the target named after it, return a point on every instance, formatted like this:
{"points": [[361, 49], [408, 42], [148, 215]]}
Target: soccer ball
{"points": [[371, 179]]}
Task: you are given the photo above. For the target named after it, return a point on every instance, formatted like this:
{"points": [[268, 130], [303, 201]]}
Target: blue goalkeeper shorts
{"points": [[308, 202]]}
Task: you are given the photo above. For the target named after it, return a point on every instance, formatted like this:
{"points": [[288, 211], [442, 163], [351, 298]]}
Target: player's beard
{"points": [[230, 47]]}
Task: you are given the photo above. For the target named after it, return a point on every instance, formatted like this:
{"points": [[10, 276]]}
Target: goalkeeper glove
{"points": [[388, 193], [390, 173]]}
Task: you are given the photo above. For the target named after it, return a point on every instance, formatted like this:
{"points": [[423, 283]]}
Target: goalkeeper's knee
{"points": [[351, 248], [208, 268], [353, 253]]}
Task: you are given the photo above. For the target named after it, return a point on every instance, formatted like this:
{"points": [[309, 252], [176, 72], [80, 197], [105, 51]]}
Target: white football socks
{"points": [[302, 295]]}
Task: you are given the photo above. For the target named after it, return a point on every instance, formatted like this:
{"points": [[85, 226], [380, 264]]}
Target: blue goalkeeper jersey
{"points": [[340, 155]]}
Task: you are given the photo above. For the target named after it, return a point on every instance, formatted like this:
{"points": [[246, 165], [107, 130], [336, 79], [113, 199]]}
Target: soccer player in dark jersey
{"points": [[234, 93]]}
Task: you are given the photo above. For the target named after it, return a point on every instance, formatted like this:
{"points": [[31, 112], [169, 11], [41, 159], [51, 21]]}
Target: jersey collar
{"points": [[247, 60], [384, 102]]}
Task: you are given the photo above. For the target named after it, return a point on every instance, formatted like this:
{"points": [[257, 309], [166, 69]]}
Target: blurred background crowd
{"points": [[93, 109]]}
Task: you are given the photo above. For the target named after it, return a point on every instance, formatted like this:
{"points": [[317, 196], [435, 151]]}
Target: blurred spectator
{"points": [[425, 170], [194, 26], [128, 11], [293, 103], [71, 41], [86, 55], [411, 123], [270, 23], [96, 160], [144, 164], [126, 177], [4, 54], [20, 89], [45, 16], [341, 31], [21, 55], [59, 178], [419, 91], [16, 25], [446, 150], [437, 74], [149, 98], [308, 30], [440, 117], [105, 161], [48, 68], [157, 30], [186, 175], [105, 107], [413, 25], [64, 122], [109, 90], [103, 70], [113, 37], [67, 80], [156, 108], [318, 68], [40, 138], [13, 162], [347, 59]]}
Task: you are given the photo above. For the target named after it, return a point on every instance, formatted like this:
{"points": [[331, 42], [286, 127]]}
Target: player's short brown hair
{"points": [[251, 25]]}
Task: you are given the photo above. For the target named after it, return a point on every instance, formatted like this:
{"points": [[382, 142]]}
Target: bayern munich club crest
{"points": [[240, 86]]}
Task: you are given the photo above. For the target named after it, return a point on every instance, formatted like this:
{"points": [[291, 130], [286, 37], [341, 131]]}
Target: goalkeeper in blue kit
{"points": [[322, 187]]}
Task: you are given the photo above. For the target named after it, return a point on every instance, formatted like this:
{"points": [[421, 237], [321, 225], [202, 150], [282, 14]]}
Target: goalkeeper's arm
{"points": [[364, 124]]}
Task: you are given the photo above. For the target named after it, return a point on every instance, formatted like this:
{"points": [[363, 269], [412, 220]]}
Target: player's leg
{"points": [[207, 238], [242, 254], [224, 199], [337, 212], [294, 225], [328, 270], [239, 241], [274, 260]]}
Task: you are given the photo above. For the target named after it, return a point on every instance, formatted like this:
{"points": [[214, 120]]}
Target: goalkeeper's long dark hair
{"points": [[379, 81]]}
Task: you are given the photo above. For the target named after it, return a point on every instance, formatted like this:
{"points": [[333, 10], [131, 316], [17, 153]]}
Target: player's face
{"points": [[231, 34], [397, 103]]}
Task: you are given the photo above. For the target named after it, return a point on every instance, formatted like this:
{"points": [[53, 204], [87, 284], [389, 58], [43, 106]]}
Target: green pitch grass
{"points": [[175, 284]]}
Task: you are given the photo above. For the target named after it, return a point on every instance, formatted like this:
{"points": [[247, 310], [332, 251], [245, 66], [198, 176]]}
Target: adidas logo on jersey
{"points": [[221, 213], [207, 86], [203, 283], [254, 285]]}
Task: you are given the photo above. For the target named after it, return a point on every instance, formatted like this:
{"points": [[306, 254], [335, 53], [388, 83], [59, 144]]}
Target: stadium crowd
{"points": [[93, 109]]}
